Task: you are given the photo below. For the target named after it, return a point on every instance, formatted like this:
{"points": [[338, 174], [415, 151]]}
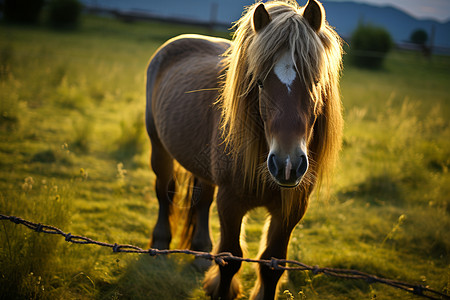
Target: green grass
{"points": [[73, 154]]}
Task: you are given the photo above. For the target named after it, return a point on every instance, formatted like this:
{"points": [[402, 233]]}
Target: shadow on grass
{"points": [[159, 277], [316, 286], [377, 190]]}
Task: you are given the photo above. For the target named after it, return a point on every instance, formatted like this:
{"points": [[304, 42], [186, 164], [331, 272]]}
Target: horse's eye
{"points": [[260, 84]]}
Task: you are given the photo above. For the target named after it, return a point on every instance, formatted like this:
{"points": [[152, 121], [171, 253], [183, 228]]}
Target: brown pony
{"points": [[259, 118]]}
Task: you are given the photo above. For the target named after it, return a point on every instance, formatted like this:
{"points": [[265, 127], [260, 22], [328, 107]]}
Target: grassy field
{"points": [[73, 154]]}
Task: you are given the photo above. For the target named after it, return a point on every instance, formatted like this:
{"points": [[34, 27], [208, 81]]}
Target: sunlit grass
{"points": [[25, 256], [72, 117]]}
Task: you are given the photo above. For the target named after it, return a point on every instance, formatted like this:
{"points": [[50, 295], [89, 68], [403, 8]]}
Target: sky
{"points": [[422, 9]]}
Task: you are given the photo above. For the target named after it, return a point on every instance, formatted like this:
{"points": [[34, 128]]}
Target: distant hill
{"points": [[346, 15], [342, 15]]}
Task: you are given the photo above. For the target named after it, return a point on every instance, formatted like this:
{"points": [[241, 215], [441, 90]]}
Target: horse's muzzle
{"points": [[287, 170]]}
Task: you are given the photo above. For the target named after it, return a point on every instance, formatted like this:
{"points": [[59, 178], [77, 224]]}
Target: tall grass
{"points": [[27, 258], [131, 140]]}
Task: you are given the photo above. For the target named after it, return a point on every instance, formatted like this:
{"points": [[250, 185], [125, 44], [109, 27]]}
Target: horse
{"points": [[255, 122]]}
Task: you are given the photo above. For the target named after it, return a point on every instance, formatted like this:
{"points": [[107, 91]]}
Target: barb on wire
{"points": [[223, 258]]}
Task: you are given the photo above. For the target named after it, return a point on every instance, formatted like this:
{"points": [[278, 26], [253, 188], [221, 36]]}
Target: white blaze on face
{"points": [[287, 170], [285, 70]]}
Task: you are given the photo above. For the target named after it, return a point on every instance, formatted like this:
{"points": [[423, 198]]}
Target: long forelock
{"points": [[254, 54], [315, 55]]}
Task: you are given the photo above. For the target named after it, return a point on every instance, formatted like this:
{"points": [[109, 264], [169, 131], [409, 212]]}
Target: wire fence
{"points": [[223, 258]]}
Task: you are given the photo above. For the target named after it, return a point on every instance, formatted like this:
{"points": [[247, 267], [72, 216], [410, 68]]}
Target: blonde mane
{"points": [[251, 57]]}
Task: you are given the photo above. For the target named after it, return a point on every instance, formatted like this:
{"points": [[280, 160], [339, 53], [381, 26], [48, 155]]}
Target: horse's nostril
{"points": [[302, 166], [272, 165]]}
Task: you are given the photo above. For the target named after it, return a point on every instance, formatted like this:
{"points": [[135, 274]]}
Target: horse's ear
{"points": [[314, 14], [260, 18]]}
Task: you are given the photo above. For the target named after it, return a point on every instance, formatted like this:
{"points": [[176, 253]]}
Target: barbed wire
{"points": [[224, 257]]}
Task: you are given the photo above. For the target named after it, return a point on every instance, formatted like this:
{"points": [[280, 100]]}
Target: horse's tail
{"points": [[187, 191]]}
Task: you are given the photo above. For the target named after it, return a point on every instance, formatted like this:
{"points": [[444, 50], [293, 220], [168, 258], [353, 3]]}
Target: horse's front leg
{"points": [[219, 282], [278, 235]]}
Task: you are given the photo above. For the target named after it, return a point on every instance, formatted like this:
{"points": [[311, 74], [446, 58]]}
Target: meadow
{"points": [[74, 154]]}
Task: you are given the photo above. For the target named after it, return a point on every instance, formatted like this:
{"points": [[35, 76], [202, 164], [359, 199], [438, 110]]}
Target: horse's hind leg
{"points": [[202, 198], [162, 165]]}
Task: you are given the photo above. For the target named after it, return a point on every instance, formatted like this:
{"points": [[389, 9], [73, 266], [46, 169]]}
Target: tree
{"points": [[419, 37], [370, 45], [64, 13], [25, 11]]}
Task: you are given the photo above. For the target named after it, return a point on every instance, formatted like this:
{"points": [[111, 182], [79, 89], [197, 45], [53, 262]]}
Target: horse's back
{"points": [[183, 48], [182, 85]]}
